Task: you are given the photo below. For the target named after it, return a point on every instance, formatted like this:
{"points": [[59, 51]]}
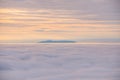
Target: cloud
{"points": [[4, 67], [102, 40], [15, 25], [59, 61], [53, 31], [96, 6], [58, 16]]}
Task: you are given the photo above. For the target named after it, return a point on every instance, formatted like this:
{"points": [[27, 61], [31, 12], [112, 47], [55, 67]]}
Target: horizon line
{"points": [[118, 43]]}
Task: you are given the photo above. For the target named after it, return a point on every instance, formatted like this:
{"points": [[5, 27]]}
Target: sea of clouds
{"points": [[59, 62]]}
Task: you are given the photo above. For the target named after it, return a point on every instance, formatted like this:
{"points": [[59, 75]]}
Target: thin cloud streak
{"points": [[55, 18]]}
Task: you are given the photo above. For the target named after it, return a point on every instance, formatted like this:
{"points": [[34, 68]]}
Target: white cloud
{"points": [[59, 61]]}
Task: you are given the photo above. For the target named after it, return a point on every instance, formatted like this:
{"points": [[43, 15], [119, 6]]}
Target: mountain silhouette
{"points": [[57, 41]]}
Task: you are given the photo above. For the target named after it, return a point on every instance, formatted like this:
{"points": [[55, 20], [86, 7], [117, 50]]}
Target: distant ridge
{"points": [[57, 41]]}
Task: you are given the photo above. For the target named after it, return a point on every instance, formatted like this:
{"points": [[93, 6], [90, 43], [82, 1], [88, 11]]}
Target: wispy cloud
{"points": [[59, 17]]}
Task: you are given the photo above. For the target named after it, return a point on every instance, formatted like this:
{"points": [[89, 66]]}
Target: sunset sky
{"points": [[31, 21]]}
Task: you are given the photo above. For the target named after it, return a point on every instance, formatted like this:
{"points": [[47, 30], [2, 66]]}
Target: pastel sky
{"points": [[30, 21]]}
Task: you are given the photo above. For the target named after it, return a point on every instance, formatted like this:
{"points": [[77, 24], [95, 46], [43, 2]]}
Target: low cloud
{"points": [[57, 62]]}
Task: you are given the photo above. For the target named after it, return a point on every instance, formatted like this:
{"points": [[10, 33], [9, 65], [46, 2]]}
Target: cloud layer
{"points": [[55, 18], [59, 61]]}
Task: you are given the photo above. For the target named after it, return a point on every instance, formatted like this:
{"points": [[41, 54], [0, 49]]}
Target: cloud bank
{"points": [[59, 61]]}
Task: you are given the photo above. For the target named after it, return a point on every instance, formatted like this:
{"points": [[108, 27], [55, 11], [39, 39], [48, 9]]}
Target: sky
{"points": [[31, 21]]}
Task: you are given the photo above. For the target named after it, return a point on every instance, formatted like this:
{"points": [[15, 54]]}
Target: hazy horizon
{"points": [[31, 21]]}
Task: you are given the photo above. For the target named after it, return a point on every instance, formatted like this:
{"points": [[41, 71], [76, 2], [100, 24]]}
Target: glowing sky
{"points": [[31, 21]]}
